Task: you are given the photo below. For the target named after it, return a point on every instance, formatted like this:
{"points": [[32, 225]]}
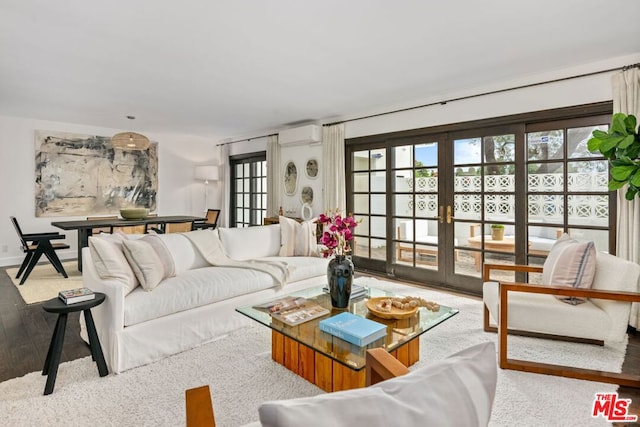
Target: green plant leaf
{"points": [[617, 124], [600, 134], [594, 144], [622, 161], [610, 143], [615, 185], [622, 173], [630, 123], [627, 141], [634, 150], [630, 194], [635, 180]]}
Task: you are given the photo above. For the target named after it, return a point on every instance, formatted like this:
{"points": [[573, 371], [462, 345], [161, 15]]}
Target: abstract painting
{"points": [[83, 175]]}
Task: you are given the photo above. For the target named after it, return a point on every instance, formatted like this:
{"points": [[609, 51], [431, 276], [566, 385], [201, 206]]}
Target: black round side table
{"points": [[56, 305]]}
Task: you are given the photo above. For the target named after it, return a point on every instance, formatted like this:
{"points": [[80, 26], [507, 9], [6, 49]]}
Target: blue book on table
{"points": [[354, 329]]}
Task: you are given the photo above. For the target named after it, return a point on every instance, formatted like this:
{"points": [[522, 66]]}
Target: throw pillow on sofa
{"points": [[298, 239], [456, 391], [570, 263], [109, 260], [150, 260]]}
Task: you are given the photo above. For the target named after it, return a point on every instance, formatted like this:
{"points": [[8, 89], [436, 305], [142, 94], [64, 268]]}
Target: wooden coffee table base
{"points": [[324, 372]]}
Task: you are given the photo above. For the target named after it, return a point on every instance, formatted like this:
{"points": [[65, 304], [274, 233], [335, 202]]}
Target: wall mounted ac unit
{"points": [[301, 135]]}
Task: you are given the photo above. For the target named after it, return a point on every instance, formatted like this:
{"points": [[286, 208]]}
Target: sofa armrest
{"points": [[110, 314], [381, 365], [565, 291], [509, 267]]}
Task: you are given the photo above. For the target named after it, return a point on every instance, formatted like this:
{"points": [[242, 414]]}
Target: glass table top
{"points": [[399, 332]]}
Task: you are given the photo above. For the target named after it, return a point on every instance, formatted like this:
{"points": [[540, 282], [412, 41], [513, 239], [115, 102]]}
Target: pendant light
{"points": [[130, 140]]}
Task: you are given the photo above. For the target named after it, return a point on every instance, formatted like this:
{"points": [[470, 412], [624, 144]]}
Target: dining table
{"points": [[85, 227]]}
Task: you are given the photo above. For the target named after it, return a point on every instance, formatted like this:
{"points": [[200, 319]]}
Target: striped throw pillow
{"points": [[570, 263]]}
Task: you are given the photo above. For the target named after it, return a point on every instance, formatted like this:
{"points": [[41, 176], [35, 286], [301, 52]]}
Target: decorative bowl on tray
{"points": [[134, 213], [398, 307]]}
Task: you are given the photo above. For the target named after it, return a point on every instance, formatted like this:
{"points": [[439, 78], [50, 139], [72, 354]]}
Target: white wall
{"points": [[566, 93], [178, 192], [299, 154]]}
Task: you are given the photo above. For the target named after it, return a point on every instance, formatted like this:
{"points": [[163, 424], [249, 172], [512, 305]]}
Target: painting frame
{"points": [[80, 174]]}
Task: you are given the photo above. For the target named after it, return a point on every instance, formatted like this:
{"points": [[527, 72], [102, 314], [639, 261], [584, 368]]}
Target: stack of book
{"points": [[354, 329], [357, 291], [295, 310], [73, 296]]}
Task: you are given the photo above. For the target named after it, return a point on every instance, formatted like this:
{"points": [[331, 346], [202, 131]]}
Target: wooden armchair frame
{"points": [[380, 366], [545, 368]]}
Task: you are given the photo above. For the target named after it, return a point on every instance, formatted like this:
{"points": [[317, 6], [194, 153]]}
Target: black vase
{"points": [[340, 277]]}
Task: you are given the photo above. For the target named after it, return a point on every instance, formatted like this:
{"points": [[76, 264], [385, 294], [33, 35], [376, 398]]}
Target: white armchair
{"points": [[523, 309]]}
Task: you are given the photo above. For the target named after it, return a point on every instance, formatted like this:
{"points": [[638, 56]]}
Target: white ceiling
{"points": [[226, 68]]}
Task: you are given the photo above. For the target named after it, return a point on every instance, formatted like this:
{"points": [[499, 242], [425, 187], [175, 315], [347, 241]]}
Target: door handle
{"points": [[449, 216], [440, 214]]}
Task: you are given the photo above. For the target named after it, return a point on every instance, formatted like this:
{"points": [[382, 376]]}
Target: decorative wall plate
{"points": [[311, 169], [306, 195], [290, 178]]}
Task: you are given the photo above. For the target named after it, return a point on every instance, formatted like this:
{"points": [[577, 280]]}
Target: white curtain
{"points": [[223, 221], [626, 99], [333, 176], [274, 194]]}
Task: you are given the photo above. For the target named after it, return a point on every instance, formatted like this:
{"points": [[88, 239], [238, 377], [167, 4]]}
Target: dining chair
{"points": [[211, 221], [34, 245], [178, 227]]}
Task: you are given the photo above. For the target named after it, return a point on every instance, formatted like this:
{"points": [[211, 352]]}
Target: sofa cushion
{"points": [[185, 255], [192, 289], [163, 253], [145, 263], [298, 239], [110, 261], [586, 320], [260, 241], [302, 267], [457, 391], [570, 263]]}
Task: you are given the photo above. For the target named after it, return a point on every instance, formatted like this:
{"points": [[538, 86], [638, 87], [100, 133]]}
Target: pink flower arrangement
{"points": [[338, 233]]}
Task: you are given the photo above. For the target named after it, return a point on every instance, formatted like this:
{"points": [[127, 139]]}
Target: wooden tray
{"points": [[395, 313]]}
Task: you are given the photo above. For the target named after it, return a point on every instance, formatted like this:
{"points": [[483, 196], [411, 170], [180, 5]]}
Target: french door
{"points": [[430, 202]]}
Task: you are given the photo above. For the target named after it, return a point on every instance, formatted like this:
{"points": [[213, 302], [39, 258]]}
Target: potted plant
{"points": [[497, 231], [621, 146]]}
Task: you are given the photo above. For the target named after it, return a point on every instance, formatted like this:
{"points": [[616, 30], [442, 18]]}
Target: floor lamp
{"points": [[206, 174]]}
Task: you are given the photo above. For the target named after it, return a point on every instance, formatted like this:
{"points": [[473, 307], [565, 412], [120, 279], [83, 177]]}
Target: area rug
{"points": [[44, 282], [241, 374]]}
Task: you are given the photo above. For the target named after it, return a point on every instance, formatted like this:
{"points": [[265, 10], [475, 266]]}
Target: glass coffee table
{"points": [[330, 362]]}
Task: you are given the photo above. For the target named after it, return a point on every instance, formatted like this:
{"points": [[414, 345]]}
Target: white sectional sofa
{"points": [[196, 305]]}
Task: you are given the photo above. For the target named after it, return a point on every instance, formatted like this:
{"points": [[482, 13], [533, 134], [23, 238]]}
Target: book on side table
{"points": [[354, 329], [73, 296], [294, 310]]}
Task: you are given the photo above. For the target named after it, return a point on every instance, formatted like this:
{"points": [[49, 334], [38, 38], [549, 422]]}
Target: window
{"points": [[429, 198], [248, 189], [567, 187]]}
